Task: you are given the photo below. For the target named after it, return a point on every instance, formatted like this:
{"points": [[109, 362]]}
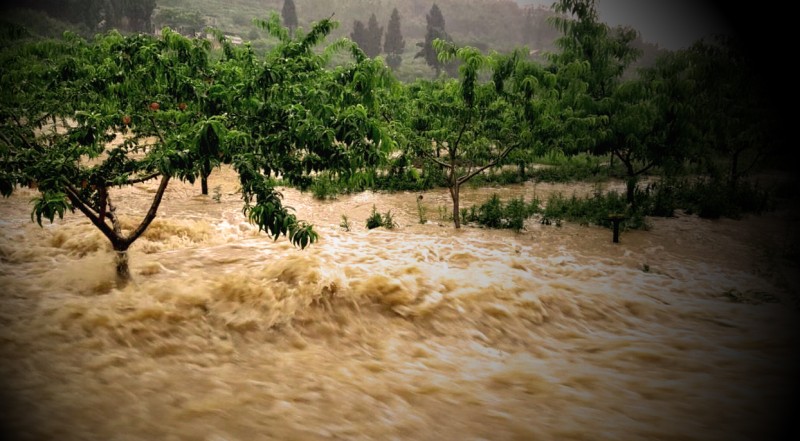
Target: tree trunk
{"points": [[204, 184], [522, 174], [734, 173], [204, 177], [631, 190], [123, 270], [456, 215]]}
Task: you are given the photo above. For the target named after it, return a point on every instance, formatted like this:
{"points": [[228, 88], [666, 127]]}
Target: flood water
{"points": [[683, 332]]}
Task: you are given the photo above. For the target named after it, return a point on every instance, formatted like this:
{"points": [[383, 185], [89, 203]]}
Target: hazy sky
{"points": [[673, 24]]}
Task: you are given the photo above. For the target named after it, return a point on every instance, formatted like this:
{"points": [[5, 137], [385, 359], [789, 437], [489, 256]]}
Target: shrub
{"points": [[376, 220]]}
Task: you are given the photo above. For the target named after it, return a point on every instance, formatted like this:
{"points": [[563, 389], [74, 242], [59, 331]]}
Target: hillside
{"points": [[500, 25]]}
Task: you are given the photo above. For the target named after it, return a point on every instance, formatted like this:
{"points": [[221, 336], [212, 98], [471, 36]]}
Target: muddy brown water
{"points": [[685, 331]]}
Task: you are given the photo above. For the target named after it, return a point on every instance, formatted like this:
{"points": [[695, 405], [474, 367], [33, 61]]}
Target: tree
{"points": [[732, 108], [608, 51], [64, 105], [435, 30], [598, 56], [359, 35], [368, 38], [374, 37], [477, 124], [394, 45], [289, 15]]}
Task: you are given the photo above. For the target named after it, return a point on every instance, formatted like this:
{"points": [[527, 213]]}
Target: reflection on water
{"points": [[423, 332]]}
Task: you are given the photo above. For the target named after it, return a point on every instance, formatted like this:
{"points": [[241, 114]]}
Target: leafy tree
{"points": [[289, 15], [394, 45], [435, 30], [598, 56], [607, 51], [477, 124], [733, 110], [64, 105], [651, 123]]}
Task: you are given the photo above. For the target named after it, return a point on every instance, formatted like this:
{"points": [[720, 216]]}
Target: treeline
{"points": [[95, 15]]}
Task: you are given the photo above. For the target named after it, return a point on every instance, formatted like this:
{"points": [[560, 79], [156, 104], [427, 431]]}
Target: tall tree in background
{"points": [[289, 15], [394, 45], [374, 37], [435, 30], [359, 35]]}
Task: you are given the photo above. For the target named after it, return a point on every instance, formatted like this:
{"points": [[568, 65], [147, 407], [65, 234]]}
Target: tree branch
{"points": [[138, 180], [648, 167], [76, 200], [438, 161], [494, 162], [151, 214]]}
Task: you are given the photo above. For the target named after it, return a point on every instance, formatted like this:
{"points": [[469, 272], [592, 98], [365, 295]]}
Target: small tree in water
{"points": [[472, 125], [78, 119]]}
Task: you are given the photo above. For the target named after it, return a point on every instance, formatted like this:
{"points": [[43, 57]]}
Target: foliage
{"points": [[377, 220], [494, 214], [593, 210], [345, 223]]}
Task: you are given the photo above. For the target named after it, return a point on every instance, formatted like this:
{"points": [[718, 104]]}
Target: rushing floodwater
{"points": [[419, 333]]}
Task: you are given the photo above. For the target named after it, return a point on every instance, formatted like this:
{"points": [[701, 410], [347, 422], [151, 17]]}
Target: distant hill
{"points": [[500, 25]]}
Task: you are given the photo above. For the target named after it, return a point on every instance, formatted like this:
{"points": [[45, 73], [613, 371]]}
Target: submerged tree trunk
{"points": [[630, 187], [205, 172], [123, 270], [733, 180], [456, 214]]}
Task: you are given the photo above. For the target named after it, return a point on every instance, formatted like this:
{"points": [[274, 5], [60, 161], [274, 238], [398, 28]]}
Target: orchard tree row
{"points": [[80, 118]]}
